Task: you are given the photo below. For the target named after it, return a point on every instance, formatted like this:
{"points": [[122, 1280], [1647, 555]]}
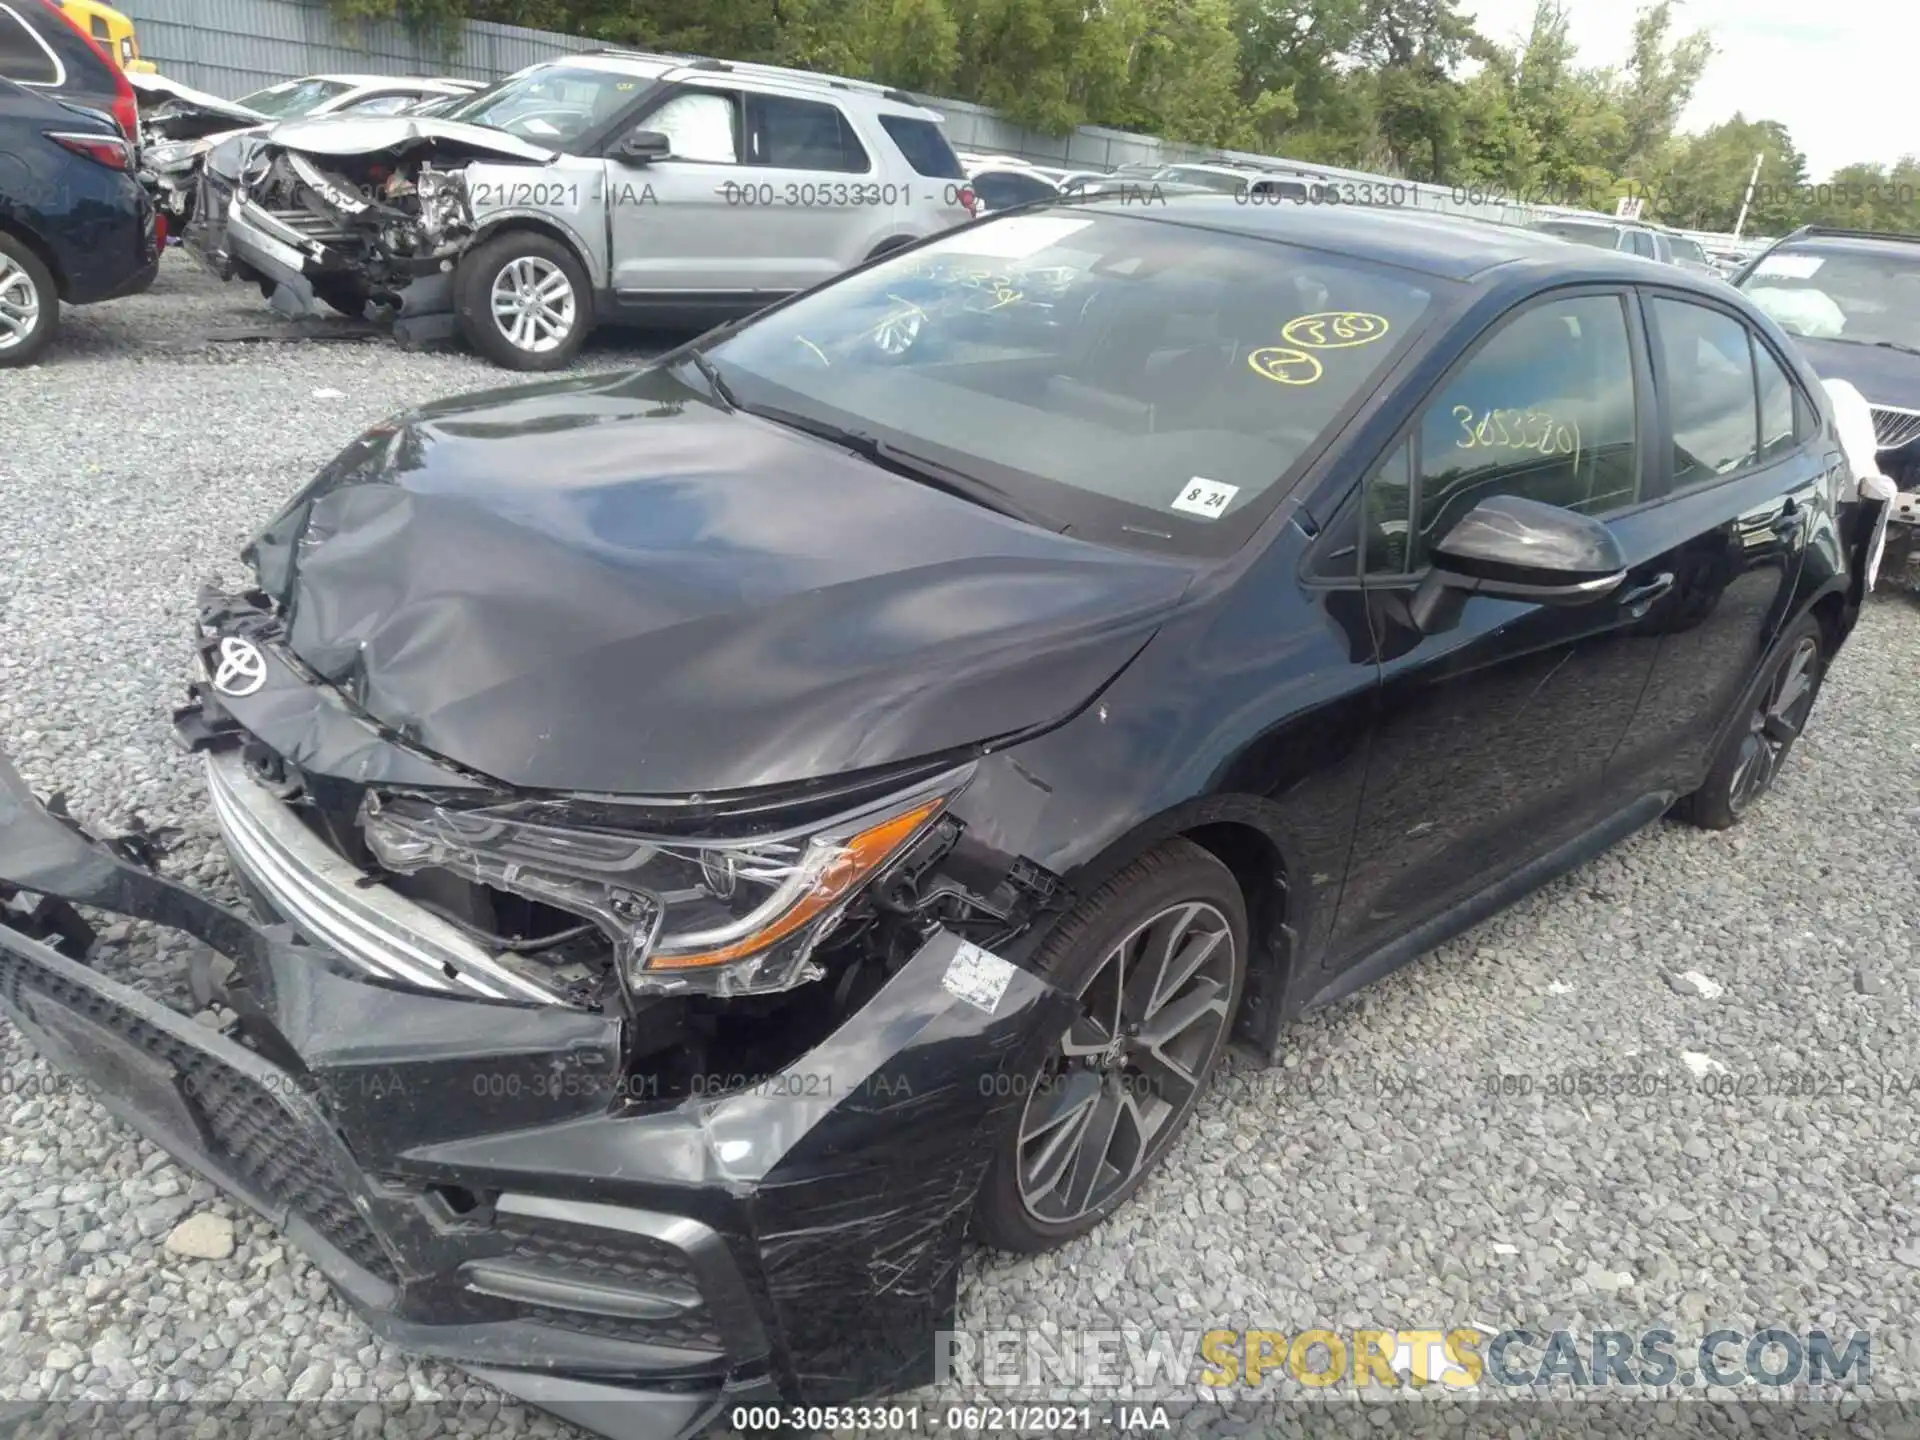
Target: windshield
{"points": [[1685, 249], [295, 97], [552, 105], [1144, 383], [1840, 295]]}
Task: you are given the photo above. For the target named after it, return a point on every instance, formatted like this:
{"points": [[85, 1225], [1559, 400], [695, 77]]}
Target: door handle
{"points": [[1637, 601]]}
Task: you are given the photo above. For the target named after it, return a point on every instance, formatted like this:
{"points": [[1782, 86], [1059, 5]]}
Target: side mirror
{"points": [[643, 147], [1521, 550]]}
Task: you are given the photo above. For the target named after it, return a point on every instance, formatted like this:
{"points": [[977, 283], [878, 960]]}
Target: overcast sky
{"points": [[1830, 70]]}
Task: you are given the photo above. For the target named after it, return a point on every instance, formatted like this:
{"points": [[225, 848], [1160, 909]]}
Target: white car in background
{"points": [[179, 125], [315, 95], [614, 185], [1003, 182]]}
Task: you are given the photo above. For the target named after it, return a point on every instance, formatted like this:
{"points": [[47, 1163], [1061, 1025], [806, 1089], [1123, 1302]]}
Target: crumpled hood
{"points": [[612, 585], [1884, 376], [161, 98], [371, 134]]}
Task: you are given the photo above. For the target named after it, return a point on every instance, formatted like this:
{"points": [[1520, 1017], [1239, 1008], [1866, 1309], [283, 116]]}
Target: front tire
{"points": [[29, 304], [521, 299], [1774, 712], [1158, 957]]}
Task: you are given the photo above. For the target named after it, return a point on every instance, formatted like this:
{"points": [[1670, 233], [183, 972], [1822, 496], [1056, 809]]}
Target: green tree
{"points": [[1706, 178], [1660, 79]]}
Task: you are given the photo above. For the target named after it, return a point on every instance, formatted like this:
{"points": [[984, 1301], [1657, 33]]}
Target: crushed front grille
{"points": [[1893, 429], [256, 1136]]}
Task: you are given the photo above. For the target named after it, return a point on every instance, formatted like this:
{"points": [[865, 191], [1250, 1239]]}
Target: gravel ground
{"points": [[1371, 1181]]}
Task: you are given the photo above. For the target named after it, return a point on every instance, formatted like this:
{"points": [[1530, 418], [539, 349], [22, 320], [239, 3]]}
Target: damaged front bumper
{"points": [[304, 259], [349, 211], [497, 1183]]}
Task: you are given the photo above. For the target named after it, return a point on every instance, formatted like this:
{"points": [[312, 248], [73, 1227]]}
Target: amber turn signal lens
{"points": [[857, 859]]}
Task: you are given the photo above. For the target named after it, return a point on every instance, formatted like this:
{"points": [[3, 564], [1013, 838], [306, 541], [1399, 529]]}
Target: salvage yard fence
{"points": [[231, 47]]}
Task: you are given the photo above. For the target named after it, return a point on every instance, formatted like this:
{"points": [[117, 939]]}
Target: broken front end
{"points": [[638, 1112], [364, 216]]}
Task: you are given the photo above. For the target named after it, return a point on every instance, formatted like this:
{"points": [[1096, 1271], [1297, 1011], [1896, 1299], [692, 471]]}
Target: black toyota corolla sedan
{"points": [[723, 831]]}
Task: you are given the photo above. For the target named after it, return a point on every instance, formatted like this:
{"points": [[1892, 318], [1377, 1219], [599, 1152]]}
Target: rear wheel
{"points": [[29, 304], [887, 247], [1157, 957], [1776, 712], [522, 301]]}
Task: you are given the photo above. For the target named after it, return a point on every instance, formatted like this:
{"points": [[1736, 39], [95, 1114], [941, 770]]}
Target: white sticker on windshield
{"points": [[1791, 267], [977, 976], [1210, 498], [1017, 236]]}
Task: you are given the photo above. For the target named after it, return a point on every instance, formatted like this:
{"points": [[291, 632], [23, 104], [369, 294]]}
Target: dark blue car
{"points": [[1851, 299], [75, 225]]}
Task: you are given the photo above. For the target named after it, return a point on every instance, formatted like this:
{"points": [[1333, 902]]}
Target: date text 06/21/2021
{"points": [[1050, 1418]]}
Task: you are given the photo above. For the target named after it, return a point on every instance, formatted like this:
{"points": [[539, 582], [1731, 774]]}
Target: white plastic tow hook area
{"points": [[1853, 416]]}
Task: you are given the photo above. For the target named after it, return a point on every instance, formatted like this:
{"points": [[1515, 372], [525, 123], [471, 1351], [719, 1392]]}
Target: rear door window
{"points": [[24, 57], [1786, 415], [789, 134], [925, 146], [1706, 369]]}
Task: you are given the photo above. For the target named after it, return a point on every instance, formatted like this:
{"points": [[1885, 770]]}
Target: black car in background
{"points": [[741, 823], [48, 53], [1851, 301], [75, 223]]}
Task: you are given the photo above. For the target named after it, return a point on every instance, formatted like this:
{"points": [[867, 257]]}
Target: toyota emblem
{"points": [[242, 669]]}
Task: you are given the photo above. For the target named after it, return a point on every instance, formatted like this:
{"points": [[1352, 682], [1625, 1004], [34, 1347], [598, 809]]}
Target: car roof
{"points": [[1840, 243], [1450, 247], [1596, 222], [656, 65], [368, 82]]}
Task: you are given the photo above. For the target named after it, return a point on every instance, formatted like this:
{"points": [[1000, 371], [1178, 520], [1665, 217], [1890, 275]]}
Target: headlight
{"points": [[721, 917]]}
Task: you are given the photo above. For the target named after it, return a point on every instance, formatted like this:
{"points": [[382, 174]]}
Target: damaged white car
{"points": [[180, 125], [612, 186]]}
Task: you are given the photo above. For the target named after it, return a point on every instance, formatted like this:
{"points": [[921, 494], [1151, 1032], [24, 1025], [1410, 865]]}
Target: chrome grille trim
{"points": [[1894, 427], [371, 927]]}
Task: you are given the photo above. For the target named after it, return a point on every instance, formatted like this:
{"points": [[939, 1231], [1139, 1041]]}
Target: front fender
{"points": [[566, 200]]}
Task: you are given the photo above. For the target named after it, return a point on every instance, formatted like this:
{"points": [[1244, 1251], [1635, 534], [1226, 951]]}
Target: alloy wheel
{"points": [[1775, 724], [533, 304], [19, 303], [1153, 1017]]}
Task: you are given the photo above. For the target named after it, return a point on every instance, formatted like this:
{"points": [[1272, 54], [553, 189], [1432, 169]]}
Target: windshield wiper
{"points": [[1900, 345], [711, 374], [915, 467]]}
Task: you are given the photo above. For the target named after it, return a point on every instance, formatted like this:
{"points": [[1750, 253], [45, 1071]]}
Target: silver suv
{"points": [[614, 186]]}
